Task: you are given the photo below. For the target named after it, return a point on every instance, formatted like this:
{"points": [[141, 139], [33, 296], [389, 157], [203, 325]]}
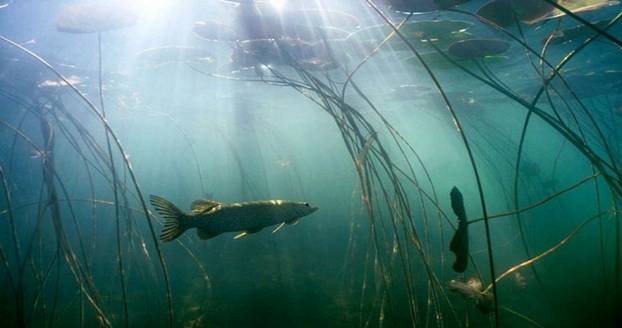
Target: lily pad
{"points": [[432, 59], [160, 56], [498, 12], [502, 12], [288, 16], [308, 55], [421, 6], [478, 48], [435, 29], [440, 32], [214, 31], [93, 17], [333, 33]]}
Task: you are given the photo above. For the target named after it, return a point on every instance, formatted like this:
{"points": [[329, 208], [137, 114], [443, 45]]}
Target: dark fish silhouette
{"points": [[459, 244]]}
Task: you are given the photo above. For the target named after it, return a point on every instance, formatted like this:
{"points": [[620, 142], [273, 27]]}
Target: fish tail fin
{"points": [[173, 218]]}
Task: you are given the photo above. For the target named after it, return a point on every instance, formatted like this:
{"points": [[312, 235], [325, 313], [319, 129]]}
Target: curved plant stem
{"points": [[114, 185], [18, 288], [540, 202], [126, 161], [547, 252], [585, 22], [467, 148]]}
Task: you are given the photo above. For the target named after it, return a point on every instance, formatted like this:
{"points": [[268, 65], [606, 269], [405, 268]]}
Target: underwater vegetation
{"points": [[457, 163]]}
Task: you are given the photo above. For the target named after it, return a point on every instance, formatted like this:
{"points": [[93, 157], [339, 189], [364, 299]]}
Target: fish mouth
{"points": [[309, 208], [313, 208]]}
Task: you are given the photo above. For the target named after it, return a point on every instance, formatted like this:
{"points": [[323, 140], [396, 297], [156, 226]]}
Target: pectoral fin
{"points": [[240, 235], [247, 232], [279, 227]]}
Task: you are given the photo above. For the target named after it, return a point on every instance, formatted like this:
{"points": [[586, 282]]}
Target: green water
{"points": [[377, 144]]}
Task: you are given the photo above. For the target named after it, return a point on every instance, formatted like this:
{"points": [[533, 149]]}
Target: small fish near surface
{"points": [[212, 218]]}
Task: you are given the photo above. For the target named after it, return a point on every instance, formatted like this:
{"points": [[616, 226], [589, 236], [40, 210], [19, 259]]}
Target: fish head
{"points": [[300, 209]]}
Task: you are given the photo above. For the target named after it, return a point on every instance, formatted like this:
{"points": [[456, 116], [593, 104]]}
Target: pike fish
{"points": [[211, 218]]}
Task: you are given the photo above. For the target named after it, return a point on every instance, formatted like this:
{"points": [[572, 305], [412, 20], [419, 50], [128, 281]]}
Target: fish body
{"points": [[213, 218]]}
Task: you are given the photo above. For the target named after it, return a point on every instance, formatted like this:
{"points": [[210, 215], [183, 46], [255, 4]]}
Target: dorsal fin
{"points": [[201, 206]]}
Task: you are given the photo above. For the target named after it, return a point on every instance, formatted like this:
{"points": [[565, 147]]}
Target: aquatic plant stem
{"points": [[18, 288], [585, 22], [540, 202], [82, 278], [595, 159], [467, 147], [370, 55], [581, 145], [554, 74], [522, 316], [397, 137], [547, 252], [348, 119], [617, 276], [76, 146], [114, 185], [127, 163], [546, 82], [393, 170]]}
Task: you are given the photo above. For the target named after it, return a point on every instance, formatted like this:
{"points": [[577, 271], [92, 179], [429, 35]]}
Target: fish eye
{"points": [[307, 204]]}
